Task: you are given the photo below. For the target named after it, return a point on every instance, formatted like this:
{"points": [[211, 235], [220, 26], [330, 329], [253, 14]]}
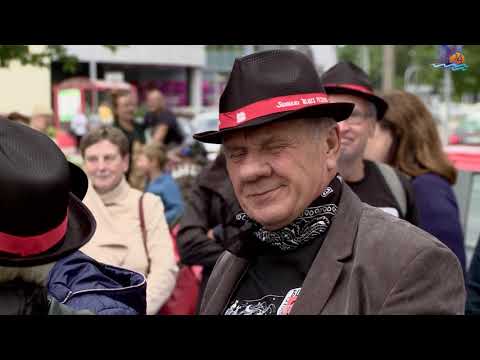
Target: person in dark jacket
{"points": [[472, 306], [44, 223], [161, 122], [407, 139], [209, 219]]}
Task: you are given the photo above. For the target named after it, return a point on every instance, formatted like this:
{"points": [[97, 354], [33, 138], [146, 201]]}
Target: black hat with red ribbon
{"points": [[272, 86], [42, 217], [347, 78]]}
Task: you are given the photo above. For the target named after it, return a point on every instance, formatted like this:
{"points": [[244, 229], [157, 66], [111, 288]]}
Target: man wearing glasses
{"points": [[375, 184]]}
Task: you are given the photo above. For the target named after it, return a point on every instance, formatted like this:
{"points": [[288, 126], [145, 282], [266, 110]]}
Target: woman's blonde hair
{"points": [[419, 148]]}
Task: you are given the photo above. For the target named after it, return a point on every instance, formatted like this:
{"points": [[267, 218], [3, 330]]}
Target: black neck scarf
{"points": [[314, 222]]}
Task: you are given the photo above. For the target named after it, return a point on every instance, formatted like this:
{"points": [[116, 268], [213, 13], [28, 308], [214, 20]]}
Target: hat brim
{"points": [[380, 104], [78, 181], [337, 111], [80, 229]]}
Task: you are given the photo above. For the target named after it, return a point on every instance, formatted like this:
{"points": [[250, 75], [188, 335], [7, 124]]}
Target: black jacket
{"points": [[212, 205], [472, 306], [23, 298]]}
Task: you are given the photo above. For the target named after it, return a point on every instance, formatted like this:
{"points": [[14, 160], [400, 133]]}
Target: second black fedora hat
{"points": [[270, 86], [42, 217], [347, 78]]}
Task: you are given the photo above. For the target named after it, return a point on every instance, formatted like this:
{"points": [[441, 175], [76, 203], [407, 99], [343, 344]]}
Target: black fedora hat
{"points": [[348, 78], [270, 86], [42, 217]]}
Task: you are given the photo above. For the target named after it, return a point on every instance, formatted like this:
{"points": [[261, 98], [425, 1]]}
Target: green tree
{"points": [[25, 56]]}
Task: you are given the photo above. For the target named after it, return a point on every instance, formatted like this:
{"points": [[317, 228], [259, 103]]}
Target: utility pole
{"points": [[447, 91], [388, 67], [365, 58], [92, 67]]}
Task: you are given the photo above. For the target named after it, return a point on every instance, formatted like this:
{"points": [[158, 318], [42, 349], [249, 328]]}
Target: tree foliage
{"points": [[25, 55]]}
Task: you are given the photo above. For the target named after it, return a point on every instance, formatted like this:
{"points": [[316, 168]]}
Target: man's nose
{"points": [[253, 168]]}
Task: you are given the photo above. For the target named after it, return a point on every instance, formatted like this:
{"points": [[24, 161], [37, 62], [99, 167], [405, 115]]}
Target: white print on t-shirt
{"points": [[390, 210], [288, 302], [263, 306]]}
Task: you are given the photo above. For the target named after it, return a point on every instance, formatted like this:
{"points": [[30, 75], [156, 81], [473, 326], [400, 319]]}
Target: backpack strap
{"points": [[393, 181]]}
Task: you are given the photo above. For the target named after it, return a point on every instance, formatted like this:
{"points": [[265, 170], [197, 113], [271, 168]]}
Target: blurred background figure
{"points": [[22, 119], [407, 138], [151, 162], [208, 221], [124, 119], [42, 119], [122, 238], [161, 122], [79, 125], [105, 113], [124, 107]]}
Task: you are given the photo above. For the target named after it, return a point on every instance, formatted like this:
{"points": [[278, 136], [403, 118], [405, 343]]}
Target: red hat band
{"points": [[355, 87], [32, 245], [270, 106]]}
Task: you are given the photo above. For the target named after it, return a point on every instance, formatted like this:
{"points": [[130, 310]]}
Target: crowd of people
{"points": [[326, 198]]}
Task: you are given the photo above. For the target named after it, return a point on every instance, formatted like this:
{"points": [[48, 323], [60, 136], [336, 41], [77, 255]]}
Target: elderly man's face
{"points": [[357, 129], [278, 169]]}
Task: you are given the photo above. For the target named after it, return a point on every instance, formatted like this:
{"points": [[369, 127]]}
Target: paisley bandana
{"points": [[313, 222]]}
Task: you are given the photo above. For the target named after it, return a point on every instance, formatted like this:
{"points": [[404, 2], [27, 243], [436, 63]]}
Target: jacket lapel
{"points": [[228, 273], [327, 266]]}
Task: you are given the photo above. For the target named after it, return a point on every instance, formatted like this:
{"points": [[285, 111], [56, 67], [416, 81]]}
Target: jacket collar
{"points": [[323, 274], [80, 274]]}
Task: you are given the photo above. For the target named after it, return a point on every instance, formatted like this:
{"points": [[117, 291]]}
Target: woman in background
{"points": [[407, 138]]}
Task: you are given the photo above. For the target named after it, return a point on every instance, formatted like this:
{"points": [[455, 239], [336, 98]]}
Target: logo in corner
{"points": [[450, 57]]}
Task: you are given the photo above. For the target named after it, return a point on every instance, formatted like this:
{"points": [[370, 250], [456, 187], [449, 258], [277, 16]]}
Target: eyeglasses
{"points": [[358, 117]]}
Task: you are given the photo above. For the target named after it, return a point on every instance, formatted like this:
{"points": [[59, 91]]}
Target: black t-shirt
{"points": [[272, 281], [374, 190], [174, 134]]}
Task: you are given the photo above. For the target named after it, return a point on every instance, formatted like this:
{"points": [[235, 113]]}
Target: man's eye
{"points": [[237, 154], [276, 147]]}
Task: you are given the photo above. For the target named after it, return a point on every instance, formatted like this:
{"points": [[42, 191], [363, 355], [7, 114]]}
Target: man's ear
{"points": [[332, 142]]}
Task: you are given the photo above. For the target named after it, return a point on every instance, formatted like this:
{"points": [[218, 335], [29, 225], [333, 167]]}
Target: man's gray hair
{"points": [[318, 126], [372, 110], [34, 274]]}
